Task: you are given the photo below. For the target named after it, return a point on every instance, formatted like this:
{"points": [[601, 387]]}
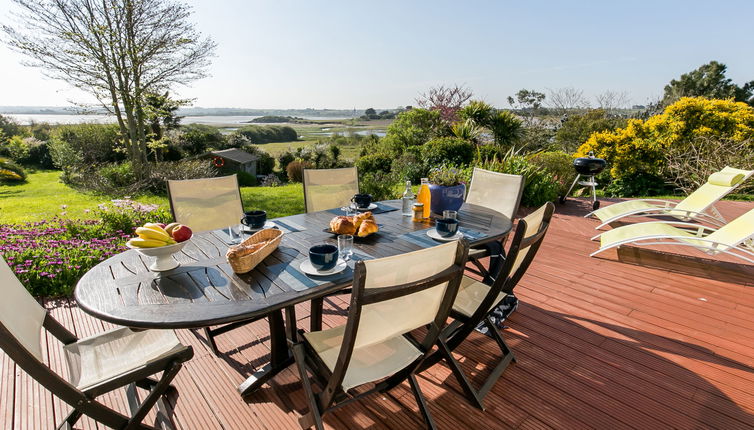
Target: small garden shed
{"points": [[235, 160]]}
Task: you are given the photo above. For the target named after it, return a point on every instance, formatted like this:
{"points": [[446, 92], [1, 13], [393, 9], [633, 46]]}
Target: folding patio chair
{"points": [[391, 297], [329, 188], [698, 206], [476, 300], [734, 238], [497, 191], [208, 204], [96, 365]]}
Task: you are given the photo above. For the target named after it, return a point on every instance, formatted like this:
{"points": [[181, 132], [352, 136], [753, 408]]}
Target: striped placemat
{"points": [[419, 237]]}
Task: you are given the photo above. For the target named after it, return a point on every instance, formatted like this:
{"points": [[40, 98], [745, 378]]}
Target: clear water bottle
{"points": [[408, 200]]}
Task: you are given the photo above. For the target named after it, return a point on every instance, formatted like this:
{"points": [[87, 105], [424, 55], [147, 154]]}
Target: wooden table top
{"points": [[204, 291]]}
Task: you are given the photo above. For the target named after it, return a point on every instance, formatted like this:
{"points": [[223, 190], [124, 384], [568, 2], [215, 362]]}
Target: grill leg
{"points": [[563, 198]]}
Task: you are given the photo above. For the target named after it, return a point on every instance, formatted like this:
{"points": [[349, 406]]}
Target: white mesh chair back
{"points": [[383, 320], [329, 188], [20, 314], [497, 191], [206, 204]]}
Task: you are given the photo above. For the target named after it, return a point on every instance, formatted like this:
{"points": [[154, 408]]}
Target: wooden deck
{"points": [[635, 339]]}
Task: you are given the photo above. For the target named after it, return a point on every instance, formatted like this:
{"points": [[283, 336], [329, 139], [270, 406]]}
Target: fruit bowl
{"points": [[163, 256]]}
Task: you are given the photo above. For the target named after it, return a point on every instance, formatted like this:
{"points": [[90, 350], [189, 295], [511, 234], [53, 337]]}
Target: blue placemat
{"points": [[291, 274], [288, 226], [381, 208], [420, 237]]}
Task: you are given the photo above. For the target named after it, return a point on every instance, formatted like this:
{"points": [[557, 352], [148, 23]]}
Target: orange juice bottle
{"points": [[424, 196]]}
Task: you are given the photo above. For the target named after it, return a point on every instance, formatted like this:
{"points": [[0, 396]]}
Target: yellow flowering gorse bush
{"points": [[639, 147]]}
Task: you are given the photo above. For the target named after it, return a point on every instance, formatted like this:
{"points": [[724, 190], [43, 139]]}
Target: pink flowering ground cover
{"points": [[50, 256]]}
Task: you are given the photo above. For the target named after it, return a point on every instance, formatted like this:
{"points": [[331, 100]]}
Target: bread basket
{"points": [[245, 263]]}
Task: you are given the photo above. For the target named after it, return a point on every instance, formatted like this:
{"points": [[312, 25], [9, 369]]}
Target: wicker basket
{"points": [[248, 262]]}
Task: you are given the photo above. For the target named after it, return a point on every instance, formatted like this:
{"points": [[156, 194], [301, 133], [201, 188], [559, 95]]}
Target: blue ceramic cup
{"points": [[254, 219], [323, 257], [446, 227]]}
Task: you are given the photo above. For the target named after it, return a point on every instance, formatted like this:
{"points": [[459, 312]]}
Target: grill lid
{"points": [[589, 165]]}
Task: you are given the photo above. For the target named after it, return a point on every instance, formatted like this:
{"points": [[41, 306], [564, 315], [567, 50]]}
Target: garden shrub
{"points": [[90, 143], [409, 167], [488, 152], [196, 139], [295, 170], [539, 185], [11, 172], [413, 128], [381, 185], [246, 179], [374, 163], [640, 146], [578, 127], [119, 178], [688, 168], [284, 159], [448, 150], [258, 134], [637, 184], [558, 164]]}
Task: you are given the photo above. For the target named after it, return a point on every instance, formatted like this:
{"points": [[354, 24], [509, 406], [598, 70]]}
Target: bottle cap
{"points": [[418, 205]]}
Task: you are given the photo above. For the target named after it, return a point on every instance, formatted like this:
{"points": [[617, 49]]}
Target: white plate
{"points": [[306, 267], [268, 224], [436, 236], [371, 207]]}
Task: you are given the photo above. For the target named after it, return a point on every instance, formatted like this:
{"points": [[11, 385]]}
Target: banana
{"points": [[153, 233], [138, 242]]}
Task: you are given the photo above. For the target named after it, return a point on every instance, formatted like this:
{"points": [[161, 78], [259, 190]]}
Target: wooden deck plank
{"points": [[601, 343]]}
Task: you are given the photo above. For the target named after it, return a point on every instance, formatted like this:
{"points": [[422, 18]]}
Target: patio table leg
{"points": [[280, 356]]}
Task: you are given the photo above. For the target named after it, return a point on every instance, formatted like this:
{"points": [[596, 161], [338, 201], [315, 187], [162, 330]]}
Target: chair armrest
{"points": [[57, 330]]}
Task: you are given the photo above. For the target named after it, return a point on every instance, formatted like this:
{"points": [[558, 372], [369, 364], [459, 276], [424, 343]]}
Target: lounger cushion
{"points": [[368, 363], [725, 179], [646, 230], [108, 355]]}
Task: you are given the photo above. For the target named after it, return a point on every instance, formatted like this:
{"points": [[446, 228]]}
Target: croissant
{"points": [[368, 227], [358, 219], [342, 225]]}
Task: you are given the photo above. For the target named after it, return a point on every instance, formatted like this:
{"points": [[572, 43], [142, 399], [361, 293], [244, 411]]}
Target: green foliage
{"points": [[558, 164], [11, 172], [689, 167], [196, 139], [640, 147], [284, 159], [539, 186], [120, 178], [266, 161], [413, 128], [449, 176], [477, 111], [506, 128], [466, 130], [295, 170], [90, 143], [448, 150], [381, 185], [488, 152], [9, 127], [28, 151], [374, 163], [709, 81], [578, 127], [409, 167], [258, 134], [638, 184], [246, 179]]}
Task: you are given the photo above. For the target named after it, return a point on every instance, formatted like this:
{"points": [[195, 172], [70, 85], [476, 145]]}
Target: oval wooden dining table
{"points": [[203, 291]]}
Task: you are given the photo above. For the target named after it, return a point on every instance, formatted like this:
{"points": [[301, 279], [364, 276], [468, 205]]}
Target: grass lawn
{"points": [[42, 196]]}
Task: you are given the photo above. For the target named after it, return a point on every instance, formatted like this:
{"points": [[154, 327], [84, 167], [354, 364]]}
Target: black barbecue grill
{"points": [[587, 167]]}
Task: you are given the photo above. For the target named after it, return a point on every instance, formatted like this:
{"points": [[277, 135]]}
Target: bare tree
{"points": [[610, 101], [447, 100], [116, 50], [565, 99]]}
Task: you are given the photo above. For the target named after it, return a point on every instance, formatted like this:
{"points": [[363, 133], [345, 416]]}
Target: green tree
{"points": [[117, 51], [578, 127], [370, 111], [709, 81], [8, 128], [413, 128]]}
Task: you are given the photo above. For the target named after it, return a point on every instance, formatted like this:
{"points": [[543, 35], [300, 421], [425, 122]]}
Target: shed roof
{"points": [[237, 155]]}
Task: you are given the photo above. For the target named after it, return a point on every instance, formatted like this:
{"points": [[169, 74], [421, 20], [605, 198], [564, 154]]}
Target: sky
{"points": [[383, 54]]}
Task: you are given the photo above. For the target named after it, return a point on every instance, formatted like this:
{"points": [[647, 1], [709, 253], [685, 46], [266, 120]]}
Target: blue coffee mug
{"points": [[446, 227], [323, 257]]}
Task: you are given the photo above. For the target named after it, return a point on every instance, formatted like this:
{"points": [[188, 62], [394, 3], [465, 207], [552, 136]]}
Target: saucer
{"points": [[306, 267], [268, 224], [371, 207], [436, 236]]}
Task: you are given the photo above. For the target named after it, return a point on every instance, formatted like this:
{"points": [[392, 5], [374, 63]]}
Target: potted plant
{"points": [[447, 186]]}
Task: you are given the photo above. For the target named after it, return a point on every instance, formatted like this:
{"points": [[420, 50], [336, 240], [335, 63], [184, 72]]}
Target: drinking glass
{"points": [[450, 215], [347, 209], [235, 234], [345, 246]]}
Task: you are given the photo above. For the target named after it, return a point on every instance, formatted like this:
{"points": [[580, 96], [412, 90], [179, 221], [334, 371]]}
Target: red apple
{"points": [[162, 225], [182, 233]]}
